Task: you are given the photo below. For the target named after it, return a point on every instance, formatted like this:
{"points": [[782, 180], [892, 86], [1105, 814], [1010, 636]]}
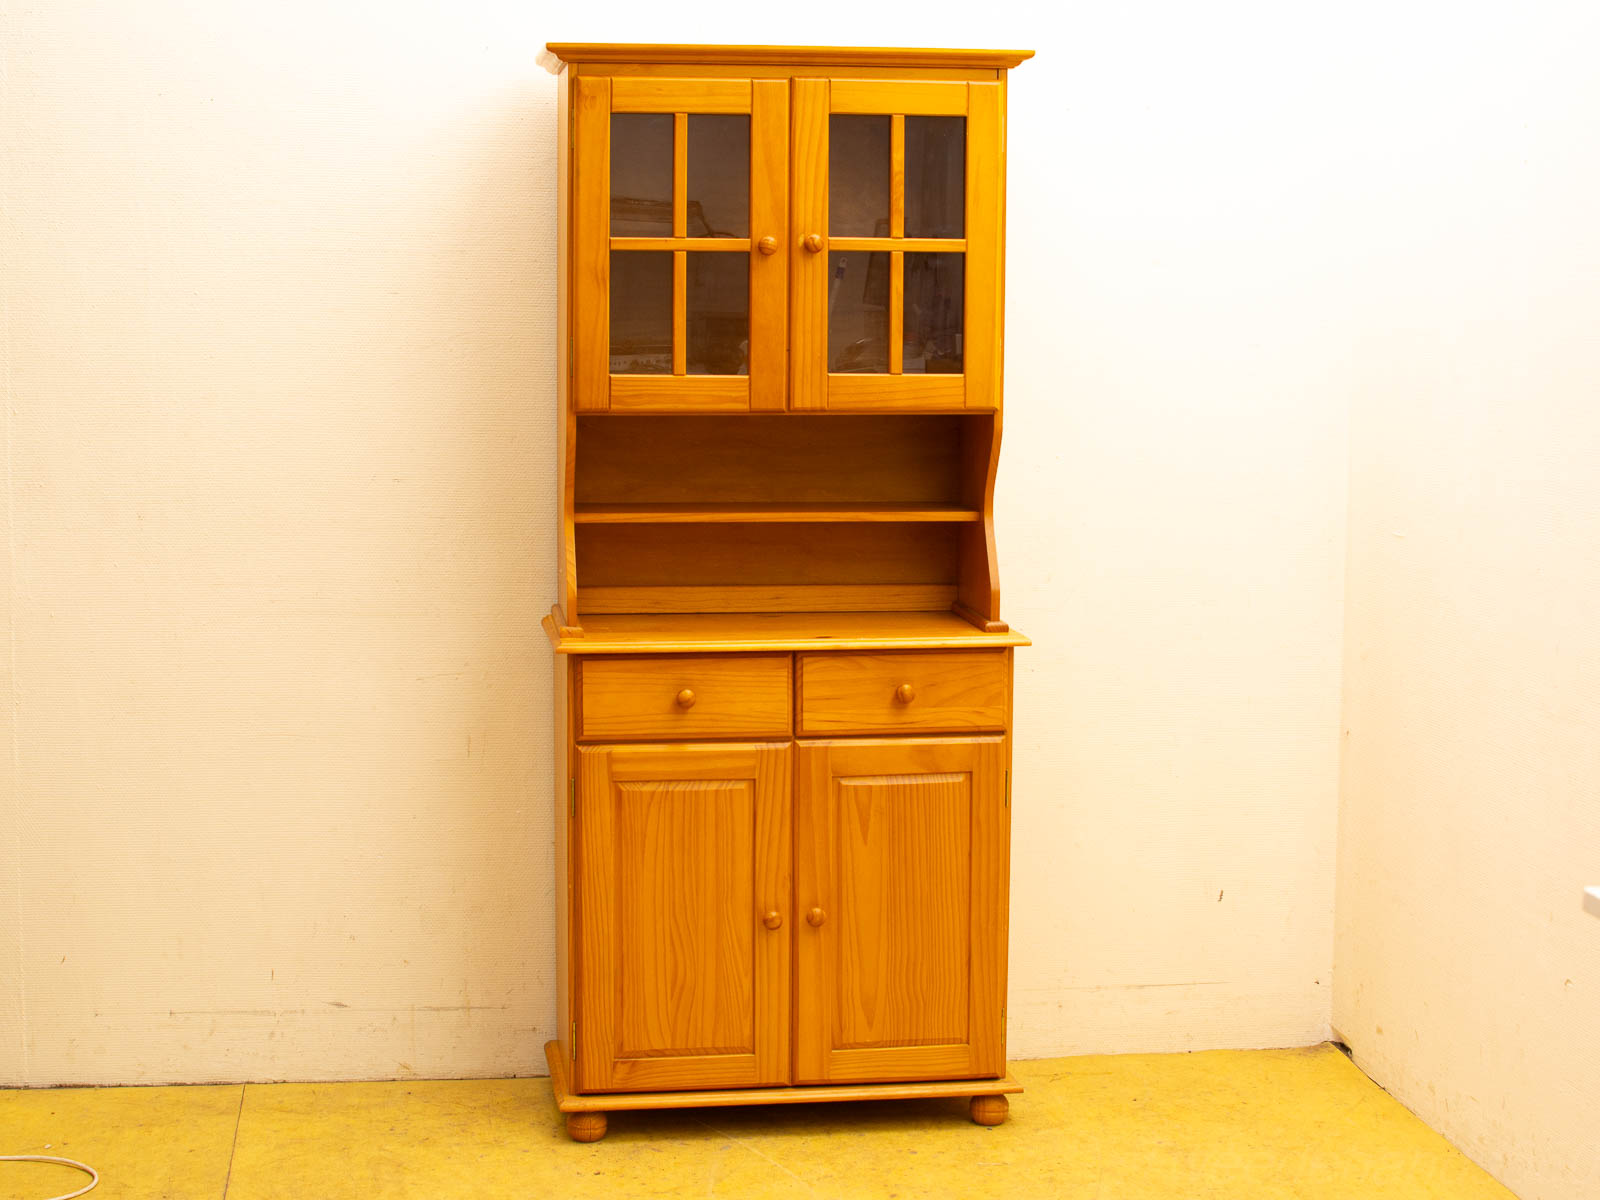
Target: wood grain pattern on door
{"points": [[684, 941], [900, 892]]}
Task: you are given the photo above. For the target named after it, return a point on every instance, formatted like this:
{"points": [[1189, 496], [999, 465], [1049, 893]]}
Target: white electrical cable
{"points": [[94, 1176]]}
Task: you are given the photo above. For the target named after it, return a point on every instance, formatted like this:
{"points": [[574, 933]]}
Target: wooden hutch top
{"points": [[780, 412]]}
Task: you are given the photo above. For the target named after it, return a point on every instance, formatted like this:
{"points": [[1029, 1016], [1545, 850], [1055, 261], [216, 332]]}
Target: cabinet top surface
{"points": [[821, 56], [679, 633]]}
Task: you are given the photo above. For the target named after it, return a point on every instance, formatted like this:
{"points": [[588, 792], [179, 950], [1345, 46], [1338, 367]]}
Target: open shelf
{"points": [[772, 511], [779, 513]]}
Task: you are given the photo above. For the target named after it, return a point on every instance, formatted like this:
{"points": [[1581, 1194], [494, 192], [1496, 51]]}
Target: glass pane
{"points": [[935, 301], [936, 176], [719, 176], [858, 311], [641, 312], [641, 175], [858, 176], [718, 328]]}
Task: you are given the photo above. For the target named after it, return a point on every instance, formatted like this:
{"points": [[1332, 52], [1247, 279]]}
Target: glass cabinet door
{"points": [[896, 215], [680, 247]]}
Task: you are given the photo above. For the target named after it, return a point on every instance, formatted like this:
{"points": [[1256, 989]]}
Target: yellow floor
{"points": [[1230, 1125]]}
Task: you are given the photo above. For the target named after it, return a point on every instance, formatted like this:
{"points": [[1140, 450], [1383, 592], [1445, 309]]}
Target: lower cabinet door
{"points": [[900, 896], [683, 927]]}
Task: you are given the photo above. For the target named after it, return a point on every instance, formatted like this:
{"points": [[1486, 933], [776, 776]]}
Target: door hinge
{"points": [[574, 1041], [1008, 789], [572, 797]]}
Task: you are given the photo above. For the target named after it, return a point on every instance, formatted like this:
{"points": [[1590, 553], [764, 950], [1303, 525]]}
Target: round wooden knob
{"points": [[768, 245], [686, 699], [772, 920], [813, 242], [905, 693], [816, 917]]}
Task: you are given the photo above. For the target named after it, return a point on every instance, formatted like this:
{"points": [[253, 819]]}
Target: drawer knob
{"points": [[686, 699], [772, 920], [768, 245], [905, 693], [813, 242], [816, 917]]}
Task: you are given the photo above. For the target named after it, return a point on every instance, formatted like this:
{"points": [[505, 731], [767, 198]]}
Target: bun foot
{"points": [[986, 1110], [591, 1126]]}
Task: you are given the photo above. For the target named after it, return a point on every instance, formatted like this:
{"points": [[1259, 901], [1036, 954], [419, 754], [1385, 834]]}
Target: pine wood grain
{"points": [[679, 393], [566, 423], [902, 843], [979, 580], [927, 244], [808, 271], [799, 458], [772, 600], [776, 554], [907, 97], [637, 95], [907, 393], [568, 1101], [769, 273], [591, 258], [985, 249], [701, 245], [734, 696], [786, 56], [680, 985], [724, 514], [702, 632], [565, 772], [953, 692]]}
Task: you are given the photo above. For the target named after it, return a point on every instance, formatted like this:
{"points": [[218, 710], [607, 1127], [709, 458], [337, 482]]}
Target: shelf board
{"points": [[679, 633], [766, 513]]}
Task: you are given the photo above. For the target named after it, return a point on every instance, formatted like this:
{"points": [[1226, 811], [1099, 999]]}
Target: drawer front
{"points": [[706, 696], [949, 691]]}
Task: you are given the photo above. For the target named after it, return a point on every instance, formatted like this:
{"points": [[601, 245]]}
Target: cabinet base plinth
{"points": [[987, 1096]]}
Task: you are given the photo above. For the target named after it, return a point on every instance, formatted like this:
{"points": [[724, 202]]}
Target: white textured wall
{"points": [[278, 287], [1467, 977], [279, 371]]}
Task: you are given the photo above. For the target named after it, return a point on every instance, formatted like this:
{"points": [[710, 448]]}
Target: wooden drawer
{"points": [[953, 691], [712, 695]]}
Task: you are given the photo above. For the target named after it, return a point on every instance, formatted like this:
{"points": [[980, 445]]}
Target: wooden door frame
{"points": [[594, 388], [978, 387]]}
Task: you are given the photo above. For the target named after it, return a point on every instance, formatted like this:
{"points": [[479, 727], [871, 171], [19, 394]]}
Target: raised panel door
{"points": [[684, 938], [900, 897]]}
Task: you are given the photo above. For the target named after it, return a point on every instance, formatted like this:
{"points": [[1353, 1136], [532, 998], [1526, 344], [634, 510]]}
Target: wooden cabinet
{"points": [[783, 680]]}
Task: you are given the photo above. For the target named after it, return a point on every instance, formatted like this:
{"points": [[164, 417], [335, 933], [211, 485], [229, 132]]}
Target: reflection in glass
{"points": [[719, 175], [641, 175], [858, 176], [935, 297], [936, 177], [858, 311], [641, 312], [718, 317]]}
